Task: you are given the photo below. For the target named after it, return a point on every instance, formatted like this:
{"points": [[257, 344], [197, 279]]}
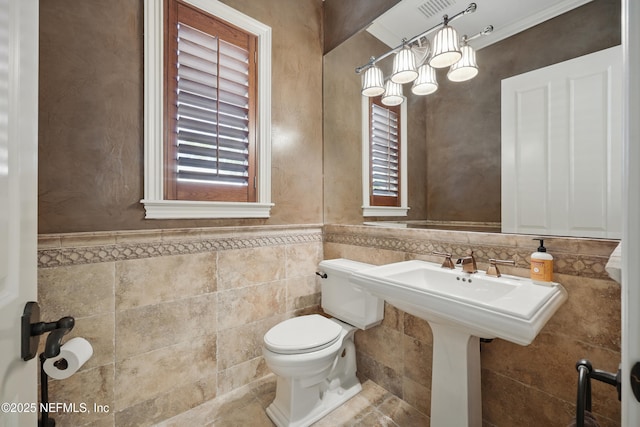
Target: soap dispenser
{"points": [[541, 265]]}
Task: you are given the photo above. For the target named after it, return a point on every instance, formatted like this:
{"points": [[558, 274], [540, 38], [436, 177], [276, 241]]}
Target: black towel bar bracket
{"points": [[585, 374]]}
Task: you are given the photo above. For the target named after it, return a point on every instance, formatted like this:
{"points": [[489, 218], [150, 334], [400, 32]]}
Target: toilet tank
{"points": [[345, 301]]}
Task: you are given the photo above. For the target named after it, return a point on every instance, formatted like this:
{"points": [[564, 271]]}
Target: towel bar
{"points": [[585, 373]]}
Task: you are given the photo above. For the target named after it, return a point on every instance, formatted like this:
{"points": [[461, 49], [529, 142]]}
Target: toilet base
{"points": [[331, 399]]}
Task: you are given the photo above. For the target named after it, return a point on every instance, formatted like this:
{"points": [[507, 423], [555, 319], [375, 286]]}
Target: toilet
{"points": [[313, 357]]}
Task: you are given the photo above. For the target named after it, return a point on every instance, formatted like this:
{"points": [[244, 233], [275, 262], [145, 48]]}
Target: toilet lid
{"points": [[302, 334]]}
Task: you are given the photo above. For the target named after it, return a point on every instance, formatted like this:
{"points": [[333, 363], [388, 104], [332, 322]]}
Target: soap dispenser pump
{"points": [[541, 265]]}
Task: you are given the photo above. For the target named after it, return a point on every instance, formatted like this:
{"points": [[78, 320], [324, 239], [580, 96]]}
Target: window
{"points": [[384, 159], [207, 111]]}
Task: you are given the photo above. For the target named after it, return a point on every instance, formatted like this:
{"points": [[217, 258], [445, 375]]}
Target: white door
{"points": [[561, 148], [18, 203], [631, 217]]}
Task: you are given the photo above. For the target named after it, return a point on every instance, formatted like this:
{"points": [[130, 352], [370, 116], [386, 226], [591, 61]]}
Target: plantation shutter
{"points": [[211, 149], [384, 154]]}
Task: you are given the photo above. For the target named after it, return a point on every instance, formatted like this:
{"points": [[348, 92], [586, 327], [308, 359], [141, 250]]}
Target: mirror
{"points": [[454, 134]]}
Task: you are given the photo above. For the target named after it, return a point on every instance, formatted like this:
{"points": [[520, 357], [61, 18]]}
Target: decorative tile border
{"points": [[85, 248], [425, 242]]}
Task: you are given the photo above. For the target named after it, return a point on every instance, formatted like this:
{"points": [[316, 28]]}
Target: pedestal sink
{"points": [[461, 308]]}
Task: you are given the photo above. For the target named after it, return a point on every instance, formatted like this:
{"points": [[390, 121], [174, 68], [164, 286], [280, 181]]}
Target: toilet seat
{"points": [[302, 334]]}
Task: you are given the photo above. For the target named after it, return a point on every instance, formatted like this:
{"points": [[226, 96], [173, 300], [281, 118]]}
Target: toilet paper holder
{"points": [[33, 328]]}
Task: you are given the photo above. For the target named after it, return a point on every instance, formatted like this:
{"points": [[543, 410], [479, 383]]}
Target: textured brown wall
{"points": [[463, 120], [342, 19], [343, 135], [91, 115], [458, 176]]}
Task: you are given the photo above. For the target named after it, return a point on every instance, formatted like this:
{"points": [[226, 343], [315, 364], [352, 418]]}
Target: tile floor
{"points": [[373, 406]]}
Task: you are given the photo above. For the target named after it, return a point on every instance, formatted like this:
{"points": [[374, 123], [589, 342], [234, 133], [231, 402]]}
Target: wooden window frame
{"points": [[178, 11], [379, 200], [156, 205], [387, 206]]}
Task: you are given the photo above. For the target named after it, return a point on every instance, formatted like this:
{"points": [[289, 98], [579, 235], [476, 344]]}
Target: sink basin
{"points": [[461, 308], [507, 307]]}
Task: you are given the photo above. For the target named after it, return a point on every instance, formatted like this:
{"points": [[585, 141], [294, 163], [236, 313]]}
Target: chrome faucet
{"points": [[468, 263]]}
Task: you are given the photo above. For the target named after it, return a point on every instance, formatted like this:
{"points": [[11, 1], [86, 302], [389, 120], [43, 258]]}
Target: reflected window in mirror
{"points": [[384, 162]]}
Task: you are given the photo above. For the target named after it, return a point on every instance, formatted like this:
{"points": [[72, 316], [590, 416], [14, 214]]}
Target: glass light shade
{"points": [[426, 82], [404, 66], [373, 82], [446, 48], [466, 68], [392, 94]]}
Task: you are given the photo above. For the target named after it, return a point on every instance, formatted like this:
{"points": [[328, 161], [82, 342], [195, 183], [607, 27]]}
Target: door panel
{"points": [[18, 202]]}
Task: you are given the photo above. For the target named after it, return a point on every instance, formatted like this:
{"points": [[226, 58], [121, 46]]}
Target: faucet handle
{"points": [[447, 263], [493, 266]]}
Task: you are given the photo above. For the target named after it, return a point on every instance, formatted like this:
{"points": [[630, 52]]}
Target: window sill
{"points": [[180, 209], [384, 211]]}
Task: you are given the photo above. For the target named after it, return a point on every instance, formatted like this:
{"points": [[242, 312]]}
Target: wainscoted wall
{"points": [[175, 317], [524, 386]]}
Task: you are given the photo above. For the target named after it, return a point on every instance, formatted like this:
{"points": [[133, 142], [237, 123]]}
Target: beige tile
{"points": [[241, 344], [151, 327], [402, 413], [373, 418], [98, 330], [303, 259], [152, 374], [89, 387], [241, 374], [246, 267], [46, 241], [393, 317], [211, 409], [107, 421], [417, 395], [548, 365], [176, 401], [238, 307], [153, 280], [385, 376], [73, 240], [264, 390], [355, 408], [506, 402], [251, 415], [601, 300], [77, 291], [416, 327], [383, 344], [418, 358], [363, 254], [302, 292]]}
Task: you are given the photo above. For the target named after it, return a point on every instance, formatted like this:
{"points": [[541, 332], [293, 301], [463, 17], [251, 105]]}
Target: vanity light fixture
{"points": [[426, 82], [446, 47], [373, 82], [404, 66], [411, 65], [466, 68], [392, 94]]}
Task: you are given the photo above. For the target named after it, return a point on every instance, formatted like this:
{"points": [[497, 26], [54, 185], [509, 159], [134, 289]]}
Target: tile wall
{"points": [[175, 317], [521, 386]]}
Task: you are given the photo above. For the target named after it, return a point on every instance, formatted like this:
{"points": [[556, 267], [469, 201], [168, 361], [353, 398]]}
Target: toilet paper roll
{"points": [[73, 354]]}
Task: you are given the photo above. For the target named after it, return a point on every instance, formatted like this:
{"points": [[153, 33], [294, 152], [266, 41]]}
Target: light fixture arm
{"points": [[445, 20], [487, 30]]}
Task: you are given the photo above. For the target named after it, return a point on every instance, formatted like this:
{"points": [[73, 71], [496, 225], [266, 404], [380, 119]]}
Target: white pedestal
{"points": [[456, 399]]}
